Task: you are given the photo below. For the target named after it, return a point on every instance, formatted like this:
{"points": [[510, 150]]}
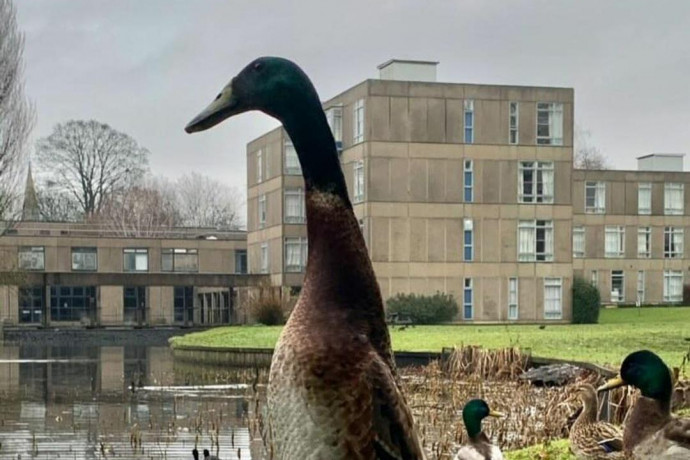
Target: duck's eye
{"points": [[218, 97], [258, 65]]}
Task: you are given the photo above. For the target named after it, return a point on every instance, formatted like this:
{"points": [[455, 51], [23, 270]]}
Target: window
{"points": [[31, 304], [468, 240], [136, 259], [334, 116], [183, 303], [32, 258], [295, 254], [617, 286], [673, 286], [640, 287], [264, 258], [134, 304], [358, 135], [614, 241], [262, 211], [644, 198], [292, 166], [644, 242], [594, 278], [179, 260], [578, 241], [84, 259], [469, 121], [673, 199], [241, 261], [535, 182], [295, 211], [595, 197], [72, 303], [512, 298], [535, 240], [553, 298], [467, 298], [513, 123], [549, 123], [469, 181], [673, 242], [259, 166], [359, 181]]}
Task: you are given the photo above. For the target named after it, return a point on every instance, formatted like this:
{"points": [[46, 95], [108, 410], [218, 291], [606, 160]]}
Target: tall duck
{"points": [[590, 438], [651, 432], [333, 392]]}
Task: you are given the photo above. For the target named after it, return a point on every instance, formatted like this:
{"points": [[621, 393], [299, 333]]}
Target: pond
{"points": [[76, 401]]}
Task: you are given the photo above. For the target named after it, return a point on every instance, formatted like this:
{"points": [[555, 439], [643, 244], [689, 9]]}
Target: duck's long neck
{"points": [[340, 280], [589, 411], [646, 417]]}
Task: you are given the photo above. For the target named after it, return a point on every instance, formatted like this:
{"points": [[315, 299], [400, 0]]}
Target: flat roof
{"points": [[406, 61], [674, 155]]}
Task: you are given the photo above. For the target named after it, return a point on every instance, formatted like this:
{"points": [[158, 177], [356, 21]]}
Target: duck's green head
{"points": [[272, 85], [473, 413], [644, 370]]}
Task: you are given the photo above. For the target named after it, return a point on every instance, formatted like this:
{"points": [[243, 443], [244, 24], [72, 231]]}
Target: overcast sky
{"points": [[147, 67]]}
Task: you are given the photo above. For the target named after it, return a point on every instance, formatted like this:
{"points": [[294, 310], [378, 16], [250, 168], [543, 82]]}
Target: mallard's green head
{"points": [[646, 371], [473, 413], [272, 85]]}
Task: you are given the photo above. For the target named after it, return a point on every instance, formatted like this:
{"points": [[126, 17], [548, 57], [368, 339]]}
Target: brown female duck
{"points": [[333, 392], [591, 439], [651, 432]]}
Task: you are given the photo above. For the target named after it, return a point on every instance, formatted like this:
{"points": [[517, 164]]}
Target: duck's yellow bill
{"points": [[493, 413], [615, 382]]}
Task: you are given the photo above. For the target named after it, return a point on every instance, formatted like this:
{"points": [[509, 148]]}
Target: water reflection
{"points": [[75, 402]]}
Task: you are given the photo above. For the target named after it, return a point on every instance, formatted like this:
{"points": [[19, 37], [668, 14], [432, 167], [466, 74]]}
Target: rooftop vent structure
{"points": [[407, 70], [661, 162]]}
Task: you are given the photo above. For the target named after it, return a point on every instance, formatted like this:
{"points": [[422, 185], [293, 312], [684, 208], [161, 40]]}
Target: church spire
{"points": [[30, 210]]}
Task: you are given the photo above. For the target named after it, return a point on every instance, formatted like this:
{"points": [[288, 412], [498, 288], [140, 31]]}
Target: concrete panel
{"points": [[491, 180], [454, 240], [578, 197], [491, 299], [658, 199], [380, 234], [400, 285], [418, 240], [419, 285], [454, 121], [490, 248], [630, 198], [437, 180], [379, 179], [563, 241], [399, 179], [454, 180], [486, 115], [657, 242], [418, 119], [616, 198], [399, 240], [528, 123], [508, 182], [436, 240], [379, 116], [400, 120], [527, 294], [436, 120], [509, 240], [418, 180], [562, 182], [111, 305]]}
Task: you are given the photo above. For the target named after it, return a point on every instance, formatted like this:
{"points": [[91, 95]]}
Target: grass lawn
{"points": [[620, 331]]}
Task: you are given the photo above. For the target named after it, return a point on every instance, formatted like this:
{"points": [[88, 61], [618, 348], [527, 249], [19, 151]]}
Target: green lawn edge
{"points": [[619, 332]]}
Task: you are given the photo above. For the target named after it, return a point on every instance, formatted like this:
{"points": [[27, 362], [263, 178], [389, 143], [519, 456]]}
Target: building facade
{"points": [[76, 274], [458, 188]]}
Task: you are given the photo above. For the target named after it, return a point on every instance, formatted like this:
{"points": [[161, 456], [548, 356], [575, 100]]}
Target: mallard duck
{"points": [[651, 432], [195, 454], [589, 438], [479, 447], [333, 391]]}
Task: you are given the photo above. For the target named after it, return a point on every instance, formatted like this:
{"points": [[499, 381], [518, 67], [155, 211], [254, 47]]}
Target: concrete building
{"points": [[459, 188], [77, 274]]}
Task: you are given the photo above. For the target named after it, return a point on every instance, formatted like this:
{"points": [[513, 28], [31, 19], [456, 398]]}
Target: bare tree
{"points": [[16, 113], [91, 161], [587, 155], [205, 202], [57, 205], [142, 210]]}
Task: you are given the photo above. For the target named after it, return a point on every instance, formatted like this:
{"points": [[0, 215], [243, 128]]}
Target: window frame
{"points": [[291, 167], [259, 166], [513, 305], [579, 230], [358, 181], [239, 254], [299, 194], [302, 245], [620, 231], [174, 254], [674, 187], [678, 297], [136, 252], [358, 121], [553, 282], [36, 253], [468, 247], [552, 109], [468, 110], [640, 289], [262, 210], [538, 168], [468, 286], [537, 224], [646, 233], [621, 295], [513, 123], [264, 258], [598, 187], [644, 186], [468, 172], [672, 248], [84, 250]]}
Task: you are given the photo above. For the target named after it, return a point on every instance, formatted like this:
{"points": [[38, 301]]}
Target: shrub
{"points": [[586, 302], [267, 311], [421, 309], [686, 294]]}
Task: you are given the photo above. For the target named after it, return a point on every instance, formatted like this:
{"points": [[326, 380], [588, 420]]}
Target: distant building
{"points": [[470, 189]]}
